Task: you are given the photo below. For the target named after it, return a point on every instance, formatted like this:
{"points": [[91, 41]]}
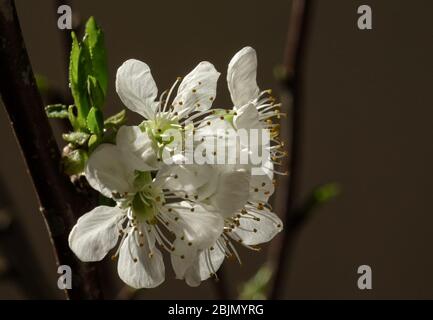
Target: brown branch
{"points": [[57, 199], [18, 252], [293, 63]]}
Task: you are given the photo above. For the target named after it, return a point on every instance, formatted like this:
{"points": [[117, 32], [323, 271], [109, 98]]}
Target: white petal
{"points": [[196, 229], [232, 192], [136, 87], [107, 172], [197, 267], [192, 276], [247, 117], [197, 90], [196, 224], [261, 184], [137, 148], [140, 267], [209, 261], [183, 258], [215, 125], [218, 141], [194, 180], [241, 77], [95, 233], [253, 232]]}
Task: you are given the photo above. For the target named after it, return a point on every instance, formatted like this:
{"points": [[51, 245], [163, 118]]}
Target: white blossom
{"points": [[164, 119], [147, 216]]}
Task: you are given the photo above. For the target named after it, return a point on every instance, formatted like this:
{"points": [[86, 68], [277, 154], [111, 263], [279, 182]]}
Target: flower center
{"points": [[162, 129], [143, 207], [147, 199]]}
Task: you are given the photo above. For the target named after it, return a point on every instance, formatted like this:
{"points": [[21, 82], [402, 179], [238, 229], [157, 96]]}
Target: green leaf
{"points": [[93, 142], [94, 40], [77, 138], [72, 112], [326, 192], [116, 120], [79, 68], [74, 162], [255, 288], [58, 111], [97, 97], [95, 121]]}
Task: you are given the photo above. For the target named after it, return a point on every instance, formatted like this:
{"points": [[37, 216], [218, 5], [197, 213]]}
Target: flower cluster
{"points": [[196, 212]]}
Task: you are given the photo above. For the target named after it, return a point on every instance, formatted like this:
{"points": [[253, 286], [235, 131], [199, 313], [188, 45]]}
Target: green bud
{"points": [[74, 162]]}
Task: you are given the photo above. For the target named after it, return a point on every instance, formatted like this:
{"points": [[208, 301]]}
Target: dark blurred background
{"points": [[368, 126]]}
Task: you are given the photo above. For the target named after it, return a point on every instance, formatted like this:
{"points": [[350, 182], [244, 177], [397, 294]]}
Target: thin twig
{"points": [[57, 199], [293, 62]]}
